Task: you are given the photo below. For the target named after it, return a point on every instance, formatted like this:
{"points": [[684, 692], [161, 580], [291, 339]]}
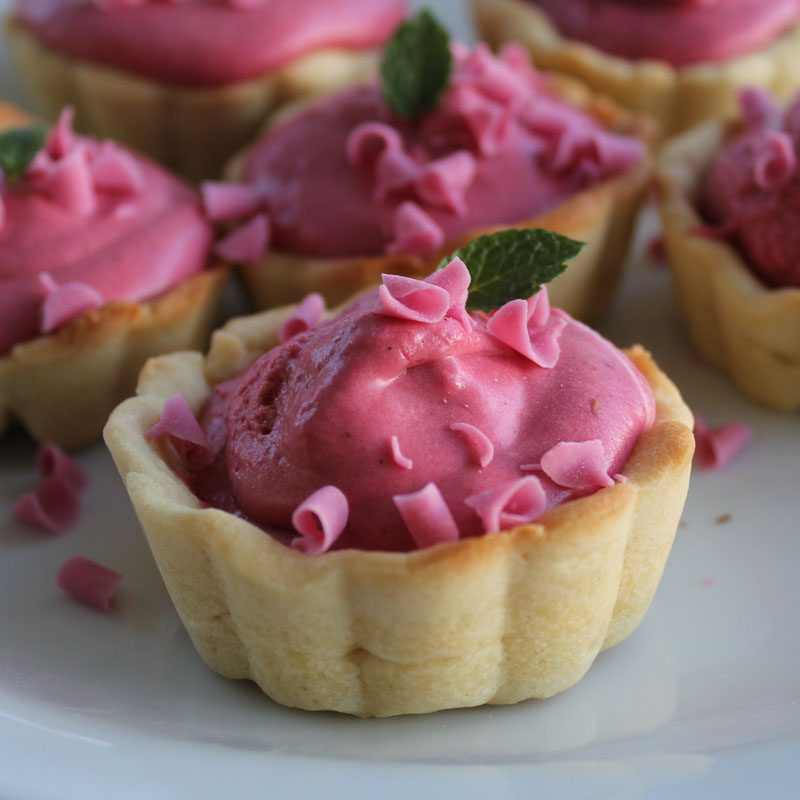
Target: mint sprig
{"points": [[513, 264], [18, 146], [416, 66]]}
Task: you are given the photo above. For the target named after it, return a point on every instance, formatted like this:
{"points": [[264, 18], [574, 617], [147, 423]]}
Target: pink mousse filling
{"points": [[348, 178], [90, 222], [752, 189], [207, 42], [407, 422], [680, 32]]}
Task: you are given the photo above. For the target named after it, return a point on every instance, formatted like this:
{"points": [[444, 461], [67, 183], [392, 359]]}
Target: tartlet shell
{"points": [[737, 323], [191, 130], [603, 216], [677, 98], [495, 619]]}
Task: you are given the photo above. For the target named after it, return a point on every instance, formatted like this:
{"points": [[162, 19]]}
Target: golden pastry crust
{"points": [[495, 619], [677, 98], [192, 131], [603, 216], [62, 387], [736, 322]]}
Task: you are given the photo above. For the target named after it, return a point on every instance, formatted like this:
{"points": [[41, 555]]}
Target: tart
{"points": [[679, 62], [727, 197], [504, 146], [189, 83], [103, 263], [395, 593]]}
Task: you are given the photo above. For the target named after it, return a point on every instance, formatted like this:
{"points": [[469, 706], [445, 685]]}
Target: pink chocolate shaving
{"points": [[717, 447], [61, 139], [427, 516], [514, 503], [444, 182], [775, 162], [89, 582], [369, 141], [179, 424], [115, 170], [66, 302], [248, 243], [226, 201], [404, 462], [412, 299], [305, 317], [455, 279], [320, 520], [52, 506], [68, 183], [480, 443], [757, 107], [53, 462], [577, 465], [415, 231]]}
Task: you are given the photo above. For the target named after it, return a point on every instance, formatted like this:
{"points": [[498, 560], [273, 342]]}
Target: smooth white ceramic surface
{"points": [[701, 701]]}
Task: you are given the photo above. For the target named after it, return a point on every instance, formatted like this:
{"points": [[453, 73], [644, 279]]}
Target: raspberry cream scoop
{"points": [[407, 421], [206, 43], [680, 32], [347, 177], [752, 190], [90, 222]]}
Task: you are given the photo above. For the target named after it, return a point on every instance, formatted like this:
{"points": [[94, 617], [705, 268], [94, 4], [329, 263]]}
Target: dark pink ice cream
{"points": [[207, 43], [680, 32], [406, 422], [752, 190]]}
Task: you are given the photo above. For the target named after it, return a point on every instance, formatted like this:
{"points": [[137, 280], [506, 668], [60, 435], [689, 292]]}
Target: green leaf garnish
{"points": [[18, 147], [513, 264], [416, 66]]}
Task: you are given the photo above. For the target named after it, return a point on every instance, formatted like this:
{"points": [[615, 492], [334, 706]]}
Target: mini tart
{"points": [[193, 131], [62, 387], [737, 323], [494, 619], [676, 98], [603, 216]]}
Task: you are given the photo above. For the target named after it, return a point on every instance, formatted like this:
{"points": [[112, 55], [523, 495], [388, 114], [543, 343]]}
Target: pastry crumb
{"points": [[596, 405], [723, 519], [683, 524]]}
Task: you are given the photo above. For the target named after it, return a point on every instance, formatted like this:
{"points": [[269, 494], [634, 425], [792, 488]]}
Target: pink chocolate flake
{"points": [[226, 201], [64, 303], [514, 503], [179, 424], [53, 506], [717, 447], [89, 582], [248, 243], [320, 520], [305, 317], [404, 462], [115, 170], [479, 442], [53, 462], [412, 299], [577, 465], [415, 232], [427, 516]]}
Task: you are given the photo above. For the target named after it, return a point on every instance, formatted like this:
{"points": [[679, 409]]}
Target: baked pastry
{"points": [[728, 196], [103, 263], [502, 146], [396, 440], [190, 83], [680, 61]]}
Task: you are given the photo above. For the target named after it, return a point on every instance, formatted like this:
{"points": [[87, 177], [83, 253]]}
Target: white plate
{"points": [[701, 701]]}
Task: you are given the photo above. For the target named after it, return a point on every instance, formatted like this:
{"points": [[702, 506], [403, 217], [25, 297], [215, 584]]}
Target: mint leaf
{"points": [[18, 146], [416, 66], [513, 264]]}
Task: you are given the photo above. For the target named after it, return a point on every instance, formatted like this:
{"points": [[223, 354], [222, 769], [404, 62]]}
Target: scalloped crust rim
{"points": [[494, 619], [738, 324]]}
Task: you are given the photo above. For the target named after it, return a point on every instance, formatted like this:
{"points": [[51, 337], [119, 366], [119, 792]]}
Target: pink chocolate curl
{"points": [[63, 303], [479, 442], [53, 462], [577, 465], [717, 447], [613, 154], [517, 502], [305, 317], [502, 80], [68, 183], [427, 516], [53, 506], [404, 462], [89, 582], [226, 201], [320, 520], [61, 139], [775, 162], [369, 141], [115, 170], [179, 424], [757, 107], [455, 280], [444, 182], [248, 243], [412, 299], [415, 232], [395, 170]]}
